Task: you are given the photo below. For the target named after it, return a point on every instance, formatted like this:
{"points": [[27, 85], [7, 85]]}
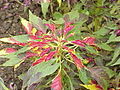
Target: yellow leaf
{"points": [[90, 87], [33, 31], [59, 2], [17, 65], [36, 48], [3, 52]]}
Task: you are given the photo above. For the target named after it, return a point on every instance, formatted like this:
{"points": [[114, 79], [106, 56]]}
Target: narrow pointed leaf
{"points": [[2, 85], [90, 87], [59, 2], [105, 46], [44, 7], [77, 61], [57, 83], [37, 22], [89, 40], [78, 42], [27, 25]]}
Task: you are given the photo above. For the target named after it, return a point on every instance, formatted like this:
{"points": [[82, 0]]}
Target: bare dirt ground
{"points": [[10, 25]]}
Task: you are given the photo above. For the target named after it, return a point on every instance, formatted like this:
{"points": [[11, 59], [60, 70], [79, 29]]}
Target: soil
{"points": [[10, 25]]}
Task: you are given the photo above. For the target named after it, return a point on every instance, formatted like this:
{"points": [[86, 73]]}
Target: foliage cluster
{"points": [[78, 47]]}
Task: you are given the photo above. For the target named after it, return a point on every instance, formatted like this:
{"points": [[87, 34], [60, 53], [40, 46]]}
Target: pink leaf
{"points": [[77, 61], [79, 42], [57, 83], [89, 40]]}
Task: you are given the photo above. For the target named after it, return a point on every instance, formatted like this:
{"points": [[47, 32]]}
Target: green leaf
{"points": [[91, 49], [83, 76], [22, 50], [110, 72], [116, 63], [41, 70], [115, 55], [14, 58], [100, 3], [44, 7], [37, 22], [2, 86], [73, 15], [21, 38], [105, 46], [59, 21], [69, 79], [111, 38], [103, 31], [57, 15], [100, 75], [12, 62]]}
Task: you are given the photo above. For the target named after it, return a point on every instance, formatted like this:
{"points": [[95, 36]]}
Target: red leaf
{"points": [[67, 29], [34, 37], [79, 42], [39, 61], [39, 33], [50, 55], [57, 83], [97, 85], [35, 44], [10, 50], [89, 40], [51, 26], [45, 51], [70, 35], [68, 49], [30, 54], [77, 61], [67, 24]]}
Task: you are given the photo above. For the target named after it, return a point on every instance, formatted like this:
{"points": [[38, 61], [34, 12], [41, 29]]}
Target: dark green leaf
{"points": [[99, 74]]}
